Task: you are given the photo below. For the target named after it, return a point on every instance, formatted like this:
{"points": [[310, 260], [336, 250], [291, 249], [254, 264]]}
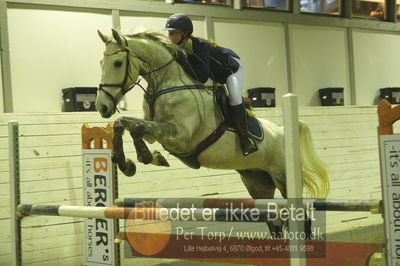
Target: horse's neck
{"points": [[169, 76], [196, 114]]}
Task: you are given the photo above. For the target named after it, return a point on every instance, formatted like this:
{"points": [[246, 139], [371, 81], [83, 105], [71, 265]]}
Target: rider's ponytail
{"points": [[209, 41]]}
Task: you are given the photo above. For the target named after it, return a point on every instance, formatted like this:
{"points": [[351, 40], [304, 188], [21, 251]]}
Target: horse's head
{"points": [[149, 54], [119, 72]]}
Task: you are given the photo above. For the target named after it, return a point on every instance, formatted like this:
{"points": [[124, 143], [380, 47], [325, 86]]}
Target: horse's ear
{"points": [[117, 37], [105, 39]]}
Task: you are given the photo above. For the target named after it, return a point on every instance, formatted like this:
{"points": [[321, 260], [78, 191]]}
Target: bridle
{"points": [[127, 75]]}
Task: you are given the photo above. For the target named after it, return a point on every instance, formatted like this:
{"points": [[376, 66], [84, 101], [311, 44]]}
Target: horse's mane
{"points": [[157, 37], [173, 49]]}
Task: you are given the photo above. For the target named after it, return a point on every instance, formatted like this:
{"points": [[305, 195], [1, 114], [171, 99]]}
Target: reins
{"points": [[128, 75]]}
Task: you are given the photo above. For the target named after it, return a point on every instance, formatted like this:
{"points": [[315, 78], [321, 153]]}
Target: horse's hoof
{"points": [[130, 169], [145, 158], [159, 160]]}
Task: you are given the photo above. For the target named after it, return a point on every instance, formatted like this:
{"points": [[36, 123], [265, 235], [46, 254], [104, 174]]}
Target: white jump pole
{"points": [[14, 176], [294, 180]]}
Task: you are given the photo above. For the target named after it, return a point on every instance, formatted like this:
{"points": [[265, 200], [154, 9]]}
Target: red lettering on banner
{"points": [[100, 164]]}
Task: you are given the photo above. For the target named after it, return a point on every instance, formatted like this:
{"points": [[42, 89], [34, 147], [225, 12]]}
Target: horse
{"points": [[181, 115]]}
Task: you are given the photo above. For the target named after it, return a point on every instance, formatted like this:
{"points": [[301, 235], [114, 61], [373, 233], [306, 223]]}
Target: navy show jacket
{"points": [[217, 60]]}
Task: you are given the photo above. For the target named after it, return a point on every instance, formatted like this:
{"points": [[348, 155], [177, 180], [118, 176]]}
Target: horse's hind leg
{"points": [[260, 186], [258, 183], [307, 221]]}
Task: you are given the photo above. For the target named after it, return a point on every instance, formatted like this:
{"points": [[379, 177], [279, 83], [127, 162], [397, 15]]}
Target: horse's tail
{"points": [[315, 174]]}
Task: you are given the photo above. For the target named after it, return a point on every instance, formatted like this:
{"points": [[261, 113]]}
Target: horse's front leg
{"points": [[138, 128], [143, 153], [158, 131], [125, 165]]}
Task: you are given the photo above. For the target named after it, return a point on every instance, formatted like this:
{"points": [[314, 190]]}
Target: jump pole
{"points": [[294, 180], [158, 211], [373, 206], [154, 214]]}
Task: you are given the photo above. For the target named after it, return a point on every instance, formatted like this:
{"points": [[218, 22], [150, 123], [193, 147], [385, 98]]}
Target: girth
{"points": [[190, 158]]}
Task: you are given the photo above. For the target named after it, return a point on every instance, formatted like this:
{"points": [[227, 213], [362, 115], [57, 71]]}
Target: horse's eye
{"points": [[118, 63]]}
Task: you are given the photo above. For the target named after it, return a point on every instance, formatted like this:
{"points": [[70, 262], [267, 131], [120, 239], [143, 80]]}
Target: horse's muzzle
{"points": [[104, 111]]}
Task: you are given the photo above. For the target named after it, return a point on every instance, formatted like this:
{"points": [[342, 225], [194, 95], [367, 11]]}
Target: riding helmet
{"points": [[179, 22]]}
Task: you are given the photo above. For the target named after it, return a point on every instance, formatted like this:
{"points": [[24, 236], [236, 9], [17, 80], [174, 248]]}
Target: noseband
{"points": [[128, 74]]}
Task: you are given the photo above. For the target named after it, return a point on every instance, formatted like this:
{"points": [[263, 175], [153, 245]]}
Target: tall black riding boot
{"points": [[240, 122]]}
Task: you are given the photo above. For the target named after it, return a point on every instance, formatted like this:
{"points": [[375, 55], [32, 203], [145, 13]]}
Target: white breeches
{"points": [[234, 83]]}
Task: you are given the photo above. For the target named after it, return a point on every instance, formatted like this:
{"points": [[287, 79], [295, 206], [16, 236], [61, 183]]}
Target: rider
{"points": [[221, 64]]}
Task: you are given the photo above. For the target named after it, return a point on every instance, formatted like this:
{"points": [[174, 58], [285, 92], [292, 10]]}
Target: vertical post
{"points": [[13, 148], [5, 59], [352, 72], [209, 28], [237, 4], [288, 58], [99, 173], [346, 8], [116, 25], [294, 177], [295, 6], [389, 151], [390, 10], [386, 117], [116, 20]]}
